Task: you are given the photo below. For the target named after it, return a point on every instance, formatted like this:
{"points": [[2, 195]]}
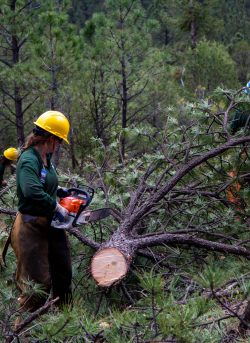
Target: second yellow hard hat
{"points": [[11, 154]]}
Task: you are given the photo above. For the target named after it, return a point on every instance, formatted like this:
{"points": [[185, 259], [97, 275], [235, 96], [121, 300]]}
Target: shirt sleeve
{"points": [[239, 121], [240, 117], [2, 169], [32, 187]]}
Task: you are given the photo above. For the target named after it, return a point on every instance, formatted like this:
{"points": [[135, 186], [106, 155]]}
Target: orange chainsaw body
{"points": [[72, 204]]}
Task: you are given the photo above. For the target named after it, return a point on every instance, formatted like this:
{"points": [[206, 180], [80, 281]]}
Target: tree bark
{"points": [[193, 32], [17, 95], [124, 101], [19, 116]]}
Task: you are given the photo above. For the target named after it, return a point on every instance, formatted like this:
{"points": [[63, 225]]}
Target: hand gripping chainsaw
{"points": [[76, 200]]}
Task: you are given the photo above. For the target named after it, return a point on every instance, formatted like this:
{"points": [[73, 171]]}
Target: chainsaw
{"points": [[76, 200]]}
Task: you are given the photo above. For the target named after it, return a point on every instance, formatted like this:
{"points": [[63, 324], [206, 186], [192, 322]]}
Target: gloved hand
{"points": [[61, 213], [62, 192]]}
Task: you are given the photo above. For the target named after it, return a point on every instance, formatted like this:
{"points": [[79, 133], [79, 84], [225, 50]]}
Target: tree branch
{"points": [[191, 240], [75, 232], [183, 170]]}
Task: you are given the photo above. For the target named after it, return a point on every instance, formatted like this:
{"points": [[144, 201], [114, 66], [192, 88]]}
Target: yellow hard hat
{"points": [[11, 154], [54, 122]]}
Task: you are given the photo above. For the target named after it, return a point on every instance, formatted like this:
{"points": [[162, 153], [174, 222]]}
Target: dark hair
{"points": [[33, 140], [38, 131], [38, 136]]}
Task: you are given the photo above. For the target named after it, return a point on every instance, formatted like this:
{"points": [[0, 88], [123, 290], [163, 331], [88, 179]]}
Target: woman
{"points": [[9, 155], [42, 252]]}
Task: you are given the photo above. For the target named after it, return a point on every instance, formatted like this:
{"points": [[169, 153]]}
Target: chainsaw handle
{"points": [[89, 192], [65, 192], [89, 195], [81, 208]]}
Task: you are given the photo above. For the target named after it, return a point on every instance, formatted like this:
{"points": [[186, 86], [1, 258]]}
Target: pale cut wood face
{"points": [[108, 266]]}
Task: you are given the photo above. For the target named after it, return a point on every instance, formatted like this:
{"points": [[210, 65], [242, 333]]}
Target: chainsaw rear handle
{"points": [[81, 208], [89, 193], [65, 192]]}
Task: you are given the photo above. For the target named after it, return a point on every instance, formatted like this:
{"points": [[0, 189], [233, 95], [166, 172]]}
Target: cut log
{"points": [[108, 266]]}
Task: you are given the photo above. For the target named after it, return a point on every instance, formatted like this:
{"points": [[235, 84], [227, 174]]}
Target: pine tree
{"points": [[55, 49], [121, 45], [16, 92], [187, 21], [56, 52]]}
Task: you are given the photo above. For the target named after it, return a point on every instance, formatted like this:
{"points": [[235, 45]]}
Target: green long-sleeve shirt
{"points": [[2, 169], [241, 117], [36, 184]]}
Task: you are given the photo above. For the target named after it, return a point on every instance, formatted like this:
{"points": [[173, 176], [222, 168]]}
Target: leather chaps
{"points": [[43, 258]]}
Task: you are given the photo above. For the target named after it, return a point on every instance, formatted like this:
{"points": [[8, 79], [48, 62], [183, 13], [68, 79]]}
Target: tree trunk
{"points": [[245, 323], [17, 95], [111, 262], [19, 116], [124, 102], [108, 266], [193, 33], [71, 140]]}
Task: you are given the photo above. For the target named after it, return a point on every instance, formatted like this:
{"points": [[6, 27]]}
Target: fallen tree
{"points": [[111, 262]]}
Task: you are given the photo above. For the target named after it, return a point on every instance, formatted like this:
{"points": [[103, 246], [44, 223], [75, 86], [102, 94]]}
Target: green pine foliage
{"points": [[212, 57]]}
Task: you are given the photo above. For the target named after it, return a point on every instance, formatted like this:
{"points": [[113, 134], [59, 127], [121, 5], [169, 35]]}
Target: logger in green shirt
{"points": [[42, 252], [241, 117], [9, 155]]}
